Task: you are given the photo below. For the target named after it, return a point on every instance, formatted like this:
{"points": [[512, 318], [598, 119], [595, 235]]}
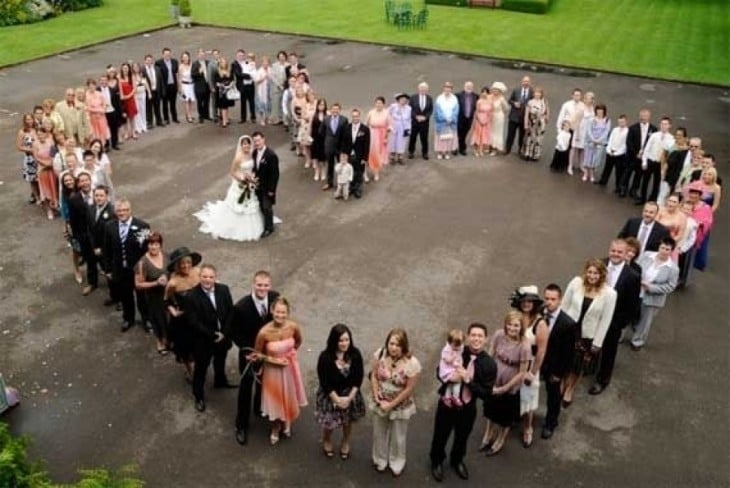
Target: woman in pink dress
{"points": [[95, 107], [481, 128], [47, 182], [282, 389], [675, 220], [379, 123], [127, 92]]}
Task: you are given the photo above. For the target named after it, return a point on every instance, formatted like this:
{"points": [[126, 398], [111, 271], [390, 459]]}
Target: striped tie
{"points": [[123, 231]]}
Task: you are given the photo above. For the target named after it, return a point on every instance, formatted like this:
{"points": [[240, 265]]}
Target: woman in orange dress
{"points": [[127, 92], [282, 389], [96, 108], [47, 182], [379, 123], [481, 128]]}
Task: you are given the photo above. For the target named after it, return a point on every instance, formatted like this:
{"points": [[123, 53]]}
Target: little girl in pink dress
{"points": [[451, 360]]}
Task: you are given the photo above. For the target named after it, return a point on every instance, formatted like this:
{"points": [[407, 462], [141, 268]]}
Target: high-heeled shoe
{"points": [[527, 438], [274, 438]]}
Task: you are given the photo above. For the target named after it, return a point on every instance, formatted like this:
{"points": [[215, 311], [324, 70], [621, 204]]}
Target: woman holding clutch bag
{"points": [[446, 113]]}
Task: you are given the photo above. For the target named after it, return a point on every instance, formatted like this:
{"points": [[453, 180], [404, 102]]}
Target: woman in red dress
{"points": [[126, 93]]}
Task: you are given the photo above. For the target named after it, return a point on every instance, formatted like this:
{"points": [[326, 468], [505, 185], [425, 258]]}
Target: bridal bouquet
{"points": [[247, 186]]}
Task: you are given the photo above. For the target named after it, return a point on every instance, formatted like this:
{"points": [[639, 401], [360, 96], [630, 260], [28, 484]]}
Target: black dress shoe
{"points": [[425, 156], [225, 385], [463, 153], [241, 121], [597, 389], [437, 471], [118, 307], [241, 437], [547, 433], [127, 326], [200, 405], [266, 233], [410, 155], [461, 470], [176, 121], [109, 302]]}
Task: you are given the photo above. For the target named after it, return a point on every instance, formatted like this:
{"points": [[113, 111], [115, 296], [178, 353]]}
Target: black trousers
{"points": [[514, 128], [248, 390], [203, 354], [419, 130], [652, 172], [331, 162], [214, 104], [554, 397], [618, 162], [92, 267], [633, 169], [358, 170], [124, 291], [203, 99], [113, 121], [608, 355], [462, 129], [169, 103], [267, 208], [248, 102], [153, 109], [461, 422]]}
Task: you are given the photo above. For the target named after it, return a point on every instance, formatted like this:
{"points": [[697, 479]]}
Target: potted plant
{"points": [[175, 8], [184, 14]]}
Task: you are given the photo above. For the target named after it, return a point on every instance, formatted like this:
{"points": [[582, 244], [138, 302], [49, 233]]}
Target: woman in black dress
{"points": [[339, 401], [317, 149], [223, 83], [150, 280]]}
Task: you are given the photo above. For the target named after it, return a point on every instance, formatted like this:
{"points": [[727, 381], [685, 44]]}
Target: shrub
{"points": [[529, 6], [185, 9], [450, 3], [13, 12], [174, 3]]}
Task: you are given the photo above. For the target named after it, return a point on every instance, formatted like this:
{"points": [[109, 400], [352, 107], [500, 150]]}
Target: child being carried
{"points": [[451, 361]]}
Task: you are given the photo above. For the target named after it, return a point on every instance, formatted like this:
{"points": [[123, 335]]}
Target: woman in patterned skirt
{"points": [[24, 143]]}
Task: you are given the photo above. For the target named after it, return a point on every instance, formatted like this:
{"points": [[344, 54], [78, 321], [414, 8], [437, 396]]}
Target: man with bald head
{"points": [[421, 110], [517, 102]]}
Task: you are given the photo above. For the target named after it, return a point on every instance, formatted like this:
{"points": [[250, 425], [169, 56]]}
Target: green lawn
{"points": [[671, 39]]}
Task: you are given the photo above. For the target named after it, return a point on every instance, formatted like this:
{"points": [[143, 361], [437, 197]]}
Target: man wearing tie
{"points": [[467, 102], [266, 169], [78, 225], [334, 127], [201, 85], [101, 214], [357, 145], [125, 241], [656, 146], [517, 102], [646, 229], [636, 139], [154, 79], [250, 314], [168, 69], [421, 110], [209, 311]]}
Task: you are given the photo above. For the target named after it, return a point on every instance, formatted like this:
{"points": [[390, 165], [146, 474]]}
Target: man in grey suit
{"points": [[517, 102], [212, 70], [658, 279]]}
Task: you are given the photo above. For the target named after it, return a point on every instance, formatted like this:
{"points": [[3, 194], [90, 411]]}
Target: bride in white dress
{"points": [[229, 219]]}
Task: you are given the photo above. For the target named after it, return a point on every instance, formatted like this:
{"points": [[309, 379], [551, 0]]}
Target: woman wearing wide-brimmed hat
{"points": [[500, 109], [184, 276], [400, 115]]}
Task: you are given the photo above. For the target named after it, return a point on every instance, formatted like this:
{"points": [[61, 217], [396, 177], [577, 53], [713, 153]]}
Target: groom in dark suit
{"points": [[250, 314], [266, 169], [209, 311], [356, 144], [562, 335], [125, 241], [333, 128]]}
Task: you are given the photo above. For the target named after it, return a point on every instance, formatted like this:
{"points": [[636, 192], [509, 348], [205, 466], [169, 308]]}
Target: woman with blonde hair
{"points": [[224, 83]]}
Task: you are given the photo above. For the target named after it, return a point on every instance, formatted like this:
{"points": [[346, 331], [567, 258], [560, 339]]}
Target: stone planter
{"points": [[185, 22]]}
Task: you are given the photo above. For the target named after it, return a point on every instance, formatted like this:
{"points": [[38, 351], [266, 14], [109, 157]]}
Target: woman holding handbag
{"points": [[446, 113], [225, 88]]}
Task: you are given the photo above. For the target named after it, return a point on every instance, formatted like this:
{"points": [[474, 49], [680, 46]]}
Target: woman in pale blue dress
{"points": [[594, 151]]}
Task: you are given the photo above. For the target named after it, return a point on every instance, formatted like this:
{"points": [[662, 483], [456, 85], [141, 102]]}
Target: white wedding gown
{"points": [[228, 219]]}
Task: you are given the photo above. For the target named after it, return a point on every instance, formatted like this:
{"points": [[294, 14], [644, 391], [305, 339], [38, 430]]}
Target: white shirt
{"points": [[151, 76], [563, 140], [656, 145], [107, 99], [567, 112], [553, 318], [614, 271], [644, 130], [355, 128], [617, 141]]}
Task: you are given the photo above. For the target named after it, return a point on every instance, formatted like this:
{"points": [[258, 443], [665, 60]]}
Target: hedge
{"points": [[529, 6], [13, 12]]}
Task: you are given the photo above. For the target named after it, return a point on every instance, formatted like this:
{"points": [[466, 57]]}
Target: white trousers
{"points": [[389, 443]]}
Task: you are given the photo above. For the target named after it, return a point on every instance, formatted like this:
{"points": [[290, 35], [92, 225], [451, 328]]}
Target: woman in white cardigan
{"points": [[589, 300]]}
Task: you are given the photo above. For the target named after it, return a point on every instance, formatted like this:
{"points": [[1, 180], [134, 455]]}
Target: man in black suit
{"points": [[627, 284], [153, 75], [421, 110], [517, 102], [199, 73], [250, 314], [467, 106], [78, 225], [356, 144], [636, 139], [113, 109], [563, 332], [477, 376], [243, 70], [124, 244], [266, 169], [646, 229], [209, 311], [101, 213], [168, 69], [333, 128], [676, 159]]}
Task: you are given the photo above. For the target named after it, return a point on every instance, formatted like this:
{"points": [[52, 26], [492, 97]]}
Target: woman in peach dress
{"points": [[675, 221], [282, 389], [481, 128], [379, 123], [47, 182], [96, 108]]}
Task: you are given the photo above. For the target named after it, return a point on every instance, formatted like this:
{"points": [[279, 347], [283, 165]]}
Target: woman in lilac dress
{"points": [[594, 150], [400, 115]]}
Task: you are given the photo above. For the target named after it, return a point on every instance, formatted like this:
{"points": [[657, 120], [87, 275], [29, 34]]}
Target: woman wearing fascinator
{"points": [[238, 217]]}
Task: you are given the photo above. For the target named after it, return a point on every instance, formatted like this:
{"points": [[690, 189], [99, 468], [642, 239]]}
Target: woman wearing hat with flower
{"points": [[446, 114], [500, 108], [184, 276], [400, 116]]}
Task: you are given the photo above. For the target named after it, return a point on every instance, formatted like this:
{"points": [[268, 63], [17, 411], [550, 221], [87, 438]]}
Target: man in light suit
{"points": [[333, 128], [71, 116], [627, 283], [421, 110], [467, 106], [646, 229], [517, 102], [356, 144]]}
